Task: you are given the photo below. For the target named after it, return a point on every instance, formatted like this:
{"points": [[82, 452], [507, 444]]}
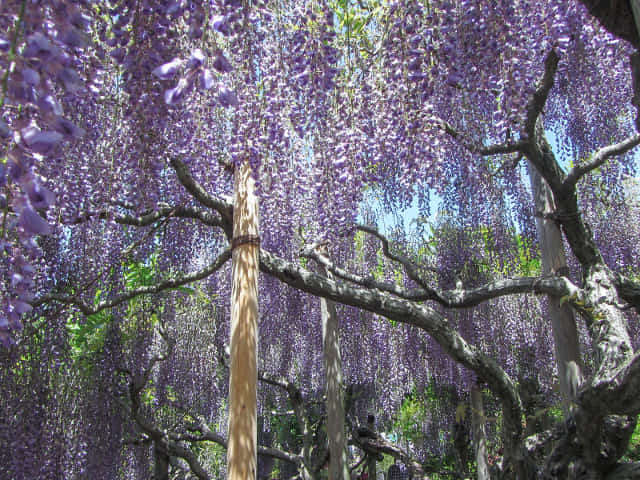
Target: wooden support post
{"points": [[242, 448], [479, 434], [371, 461], [338, 466], [635, 8], [563, 323]]}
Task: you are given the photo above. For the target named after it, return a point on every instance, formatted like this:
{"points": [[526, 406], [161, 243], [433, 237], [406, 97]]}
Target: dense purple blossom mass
{"points": [[121, 124]]}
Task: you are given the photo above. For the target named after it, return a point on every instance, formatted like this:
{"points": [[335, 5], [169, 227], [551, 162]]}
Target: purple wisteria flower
{"points": [[168, 70], [32, 223], [227, 97], [175, 95], [206, 79], [221, 24], [221, 63], [39, 141]]}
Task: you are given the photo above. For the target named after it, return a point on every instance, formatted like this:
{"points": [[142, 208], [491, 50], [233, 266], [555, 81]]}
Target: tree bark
{"points": [[371, 468], [563, 324], [242, 449], [598, 440], [479, 434], [161, 462]]}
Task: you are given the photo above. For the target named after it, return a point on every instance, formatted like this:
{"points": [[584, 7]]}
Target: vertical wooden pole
{"points": [[371, 462], [563, 323], [479, 434], [635, 8], [242, 448], [338, 467]]}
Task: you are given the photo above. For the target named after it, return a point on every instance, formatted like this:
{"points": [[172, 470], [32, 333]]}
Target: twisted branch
{"points": [[599, 158], [150, 217], [557, 286], [194, 187], [539, 97], [159, 436], [368, 282], [167, 284], [409, 267], [483, 150]]}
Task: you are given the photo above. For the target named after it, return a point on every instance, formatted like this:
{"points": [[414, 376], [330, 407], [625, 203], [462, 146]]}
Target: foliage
{"points": [[213, 457], [633, 452], [287, 431], [411, 418], [87, 335]]}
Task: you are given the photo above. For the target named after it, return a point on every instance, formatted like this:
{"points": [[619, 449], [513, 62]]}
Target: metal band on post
{"points": [[245, 240]]}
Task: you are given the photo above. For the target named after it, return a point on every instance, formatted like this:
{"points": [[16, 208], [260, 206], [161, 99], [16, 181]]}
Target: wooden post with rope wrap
{"points": [[243, 433]]}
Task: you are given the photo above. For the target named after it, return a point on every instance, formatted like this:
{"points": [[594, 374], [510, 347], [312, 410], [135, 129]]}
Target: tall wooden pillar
{"points": [[635, 8], [242, 448], [371, 461], [563, 323], [479, 434], [338, 465]]}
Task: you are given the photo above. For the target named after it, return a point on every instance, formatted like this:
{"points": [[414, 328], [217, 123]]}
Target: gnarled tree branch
{"points": [[161, 439], [409, 267], [462, 298], [151, 217], [376, 445], [617, 393], [368, 282], [628, 290], [599, 158], [408, 312], [206, 434], [539, 97], [483, 150], [161, 286], [194, 187]]}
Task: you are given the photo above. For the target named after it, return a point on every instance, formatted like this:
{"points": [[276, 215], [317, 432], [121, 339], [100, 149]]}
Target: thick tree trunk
{"points": [[461, 446], [563, 324], [604, 439], [371, 469], [594, 441], [479, 434], [242, 449], [161, 462], [338, 467]]}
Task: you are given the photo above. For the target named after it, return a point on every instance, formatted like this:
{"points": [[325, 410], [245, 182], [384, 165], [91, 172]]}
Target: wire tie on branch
{"points": [[245, 240]]}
